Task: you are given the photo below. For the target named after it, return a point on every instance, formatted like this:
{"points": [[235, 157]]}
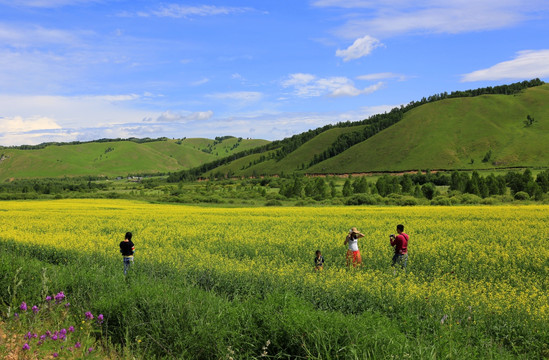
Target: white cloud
{"points": [[382, 76], [200, 82], [361, 47], [183, 11], [38, 36], [527, 65], [308, 85], [19, 124], [46, 3], [239, 98], [171, 117], [393, 17], [73, 111], [349, 90]]}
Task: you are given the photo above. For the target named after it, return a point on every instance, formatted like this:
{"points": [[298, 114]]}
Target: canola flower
{"points": [[466, 263]]}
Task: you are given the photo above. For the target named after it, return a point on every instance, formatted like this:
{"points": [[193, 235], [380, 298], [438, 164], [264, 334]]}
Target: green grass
{"points": [[160, 313]]}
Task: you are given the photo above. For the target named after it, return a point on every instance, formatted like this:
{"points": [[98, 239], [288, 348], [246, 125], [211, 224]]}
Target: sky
{"points": [[79, 70]]}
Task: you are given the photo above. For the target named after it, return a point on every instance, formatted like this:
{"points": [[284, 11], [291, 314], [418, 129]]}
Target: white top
{"points": [[353, 244]]}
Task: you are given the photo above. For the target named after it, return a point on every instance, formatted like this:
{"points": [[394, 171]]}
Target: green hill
{"points": [[117, 158], [457, 134], [452, 133]]}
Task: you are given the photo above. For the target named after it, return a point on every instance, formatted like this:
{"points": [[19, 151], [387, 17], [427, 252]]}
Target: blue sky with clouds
{"points": [[89, 69]]}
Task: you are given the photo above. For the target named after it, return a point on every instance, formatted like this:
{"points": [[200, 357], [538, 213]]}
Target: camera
{"points": [[392, 236]]}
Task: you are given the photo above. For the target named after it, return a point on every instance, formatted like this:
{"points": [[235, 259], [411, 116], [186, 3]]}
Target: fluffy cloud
{"points": [[528, 64], [19, 124], [361, 47], [308, 85]]}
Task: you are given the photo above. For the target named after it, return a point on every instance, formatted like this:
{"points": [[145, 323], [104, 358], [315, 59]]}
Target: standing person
{"points": [[400, 243], [353, 254], [127, 249], [319, 261]]}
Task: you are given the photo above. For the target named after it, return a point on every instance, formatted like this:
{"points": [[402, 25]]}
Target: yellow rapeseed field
{"points": [[468, 263]]}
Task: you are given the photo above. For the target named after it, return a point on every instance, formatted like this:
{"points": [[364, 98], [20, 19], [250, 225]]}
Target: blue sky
{"points": [[88, 69]]}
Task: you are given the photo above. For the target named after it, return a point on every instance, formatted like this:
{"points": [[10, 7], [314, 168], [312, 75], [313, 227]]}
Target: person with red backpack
{"points": [[400, 243]]}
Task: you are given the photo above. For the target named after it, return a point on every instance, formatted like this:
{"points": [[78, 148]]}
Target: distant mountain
{"points": [[116, 158]]}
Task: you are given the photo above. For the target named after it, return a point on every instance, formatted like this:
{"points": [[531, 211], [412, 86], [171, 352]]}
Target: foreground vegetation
{"points": [[238, 283]]}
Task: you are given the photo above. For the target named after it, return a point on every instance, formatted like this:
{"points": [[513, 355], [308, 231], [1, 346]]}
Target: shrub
{"points": [[522, 195], [273, 203], [470, 199], [363, 200], [489, 201]]}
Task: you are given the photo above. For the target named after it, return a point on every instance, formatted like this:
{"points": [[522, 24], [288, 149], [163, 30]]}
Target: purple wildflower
{"points": [[63, 332], [71, 328], [67, 305], [16, 315], [28, 335], [48, 298], [26, 346], [77, 345], [35, 309], [48, 333], [43, 337], [39, 343], [89, 315], [35, 335], [54, 337], [100, 318], [23, 306], [90, 350], [60, 296], [55, 354]]}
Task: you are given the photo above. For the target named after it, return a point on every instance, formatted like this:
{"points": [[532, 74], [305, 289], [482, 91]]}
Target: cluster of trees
{"points": [[51, 186], [422, 185]]}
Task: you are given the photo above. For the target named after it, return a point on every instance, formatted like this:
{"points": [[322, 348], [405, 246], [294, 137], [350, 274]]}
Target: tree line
{"points": [[104, 140]]}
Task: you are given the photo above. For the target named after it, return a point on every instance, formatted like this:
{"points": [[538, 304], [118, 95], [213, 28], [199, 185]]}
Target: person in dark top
{"points": [[319, 261], [127, 249], [400, 243]]}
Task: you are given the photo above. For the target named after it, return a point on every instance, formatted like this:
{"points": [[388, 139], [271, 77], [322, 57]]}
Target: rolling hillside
{"points": [[454, 133], [117, 158], [457, 134]]}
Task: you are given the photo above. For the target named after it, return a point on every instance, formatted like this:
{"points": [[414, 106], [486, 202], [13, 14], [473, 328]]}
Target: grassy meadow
{"points": [[117, 158], [239, 282]]}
